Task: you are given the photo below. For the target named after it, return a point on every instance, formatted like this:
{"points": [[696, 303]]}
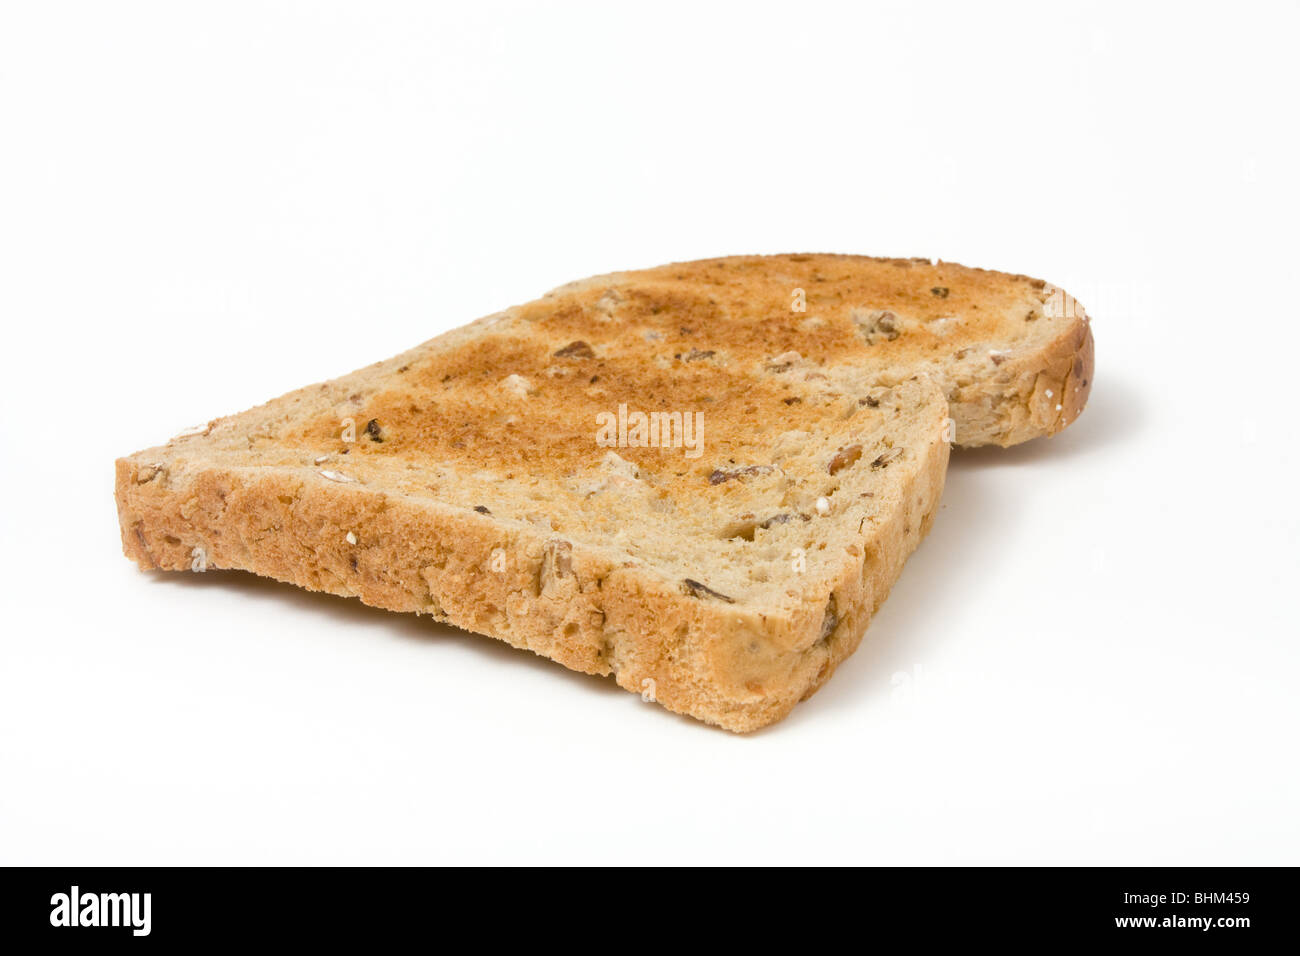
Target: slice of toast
{"points": [[508, 477], [1013, 355], [711, 521]]}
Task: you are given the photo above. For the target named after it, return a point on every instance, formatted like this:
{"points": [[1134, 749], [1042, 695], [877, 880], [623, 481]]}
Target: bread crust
{"points": [[1035, 394]]}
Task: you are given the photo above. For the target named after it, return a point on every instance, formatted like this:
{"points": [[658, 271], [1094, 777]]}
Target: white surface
{"points": [[1092, 659]]}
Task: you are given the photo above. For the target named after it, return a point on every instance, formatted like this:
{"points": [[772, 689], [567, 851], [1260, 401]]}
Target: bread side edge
{"points": [[729, 666], [1039, 393]]}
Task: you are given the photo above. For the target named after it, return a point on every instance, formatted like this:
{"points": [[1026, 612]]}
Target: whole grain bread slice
{"points": [[508, 477], [501, 478], [1013, 355]]}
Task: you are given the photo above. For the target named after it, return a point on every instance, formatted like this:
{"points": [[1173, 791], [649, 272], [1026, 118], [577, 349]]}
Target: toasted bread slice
{"points": [[500, 478], [1013, 355]]}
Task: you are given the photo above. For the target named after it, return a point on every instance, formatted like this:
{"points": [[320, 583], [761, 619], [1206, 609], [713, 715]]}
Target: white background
{"points": [[1093, 657]]}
